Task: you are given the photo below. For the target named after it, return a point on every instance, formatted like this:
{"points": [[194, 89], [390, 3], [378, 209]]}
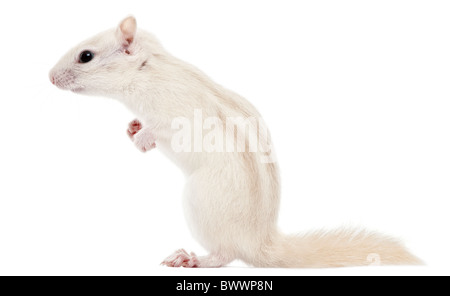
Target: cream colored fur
{"points": [[231, 200]]}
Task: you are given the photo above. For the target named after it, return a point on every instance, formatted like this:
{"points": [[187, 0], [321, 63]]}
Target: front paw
{"points": [[144, 140], [133, 128]]}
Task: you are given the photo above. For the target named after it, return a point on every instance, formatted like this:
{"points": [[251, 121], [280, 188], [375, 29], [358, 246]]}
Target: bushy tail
{"points": [[337, 248]]}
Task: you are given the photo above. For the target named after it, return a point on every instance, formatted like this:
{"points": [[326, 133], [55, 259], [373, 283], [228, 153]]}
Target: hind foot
{"points": [[181, 258]]}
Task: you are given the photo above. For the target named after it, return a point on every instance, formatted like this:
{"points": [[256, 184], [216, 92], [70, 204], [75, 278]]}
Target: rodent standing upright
{"points": [[231, 199]]}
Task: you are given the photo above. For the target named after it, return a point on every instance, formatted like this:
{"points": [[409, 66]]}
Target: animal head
{"points": [[106, 63]]}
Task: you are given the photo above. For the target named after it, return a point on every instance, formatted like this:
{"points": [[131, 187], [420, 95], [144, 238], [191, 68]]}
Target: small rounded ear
{"points": [[127, 30]]}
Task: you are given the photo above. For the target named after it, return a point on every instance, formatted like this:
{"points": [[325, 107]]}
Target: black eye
{"points": [[86, 56]]}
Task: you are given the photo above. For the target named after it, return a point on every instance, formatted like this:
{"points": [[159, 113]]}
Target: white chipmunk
{"points": [[231, 199]]}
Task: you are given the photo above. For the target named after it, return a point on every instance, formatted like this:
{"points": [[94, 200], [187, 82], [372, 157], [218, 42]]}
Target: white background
{"points": [[356, 94]]}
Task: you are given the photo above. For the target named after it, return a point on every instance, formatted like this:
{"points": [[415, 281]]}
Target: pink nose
{"points": [[52, 78]]}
